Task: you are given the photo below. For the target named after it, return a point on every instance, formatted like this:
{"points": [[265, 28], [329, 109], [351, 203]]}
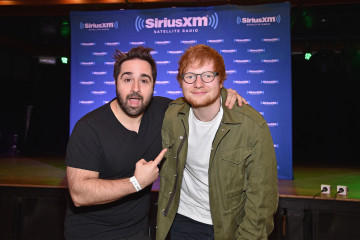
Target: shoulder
{"points": [[248, 114], [177, 104], [245, 113], [93, 119], [175, 108], [160, 102]]}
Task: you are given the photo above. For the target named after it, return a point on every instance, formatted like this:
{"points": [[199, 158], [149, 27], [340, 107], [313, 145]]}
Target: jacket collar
{"points": [[230, 116]]}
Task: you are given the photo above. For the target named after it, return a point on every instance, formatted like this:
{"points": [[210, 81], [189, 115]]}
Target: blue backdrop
{"points": [[254, 41]]}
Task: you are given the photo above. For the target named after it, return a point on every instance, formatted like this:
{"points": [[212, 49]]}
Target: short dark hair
{"points": [[139, 52]]}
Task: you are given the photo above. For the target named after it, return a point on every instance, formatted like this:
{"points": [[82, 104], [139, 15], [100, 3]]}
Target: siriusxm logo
{"points": [[111, 44], [85, 44], [175, 52], [242, 61], [99, 73], [241, 81], [98, 92], [244, 40], [269, 81], [270, 39], [255, 92], [270, 60], [87, 63], [99, 26], [269, 103], [109, 83], [162, 82], [258, 20], [99, 54], [260, 50], [183, 22], [229, 72], [255, 71], [228, 50], [188, 41], [215, 40], [87, 82], [137, 43], [174, 92], [83, 102], [162, 62], [274, 124], [162, 42]]}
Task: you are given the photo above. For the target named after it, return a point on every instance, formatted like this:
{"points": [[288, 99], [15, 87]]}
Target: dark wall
{"points": [[37, 93], [326, 107]]}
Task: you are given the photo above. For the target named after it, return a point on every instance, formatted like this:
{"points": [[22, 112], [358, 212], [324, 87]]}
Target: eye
{"points": [[189, 76], [127, 79], [145, 81]]}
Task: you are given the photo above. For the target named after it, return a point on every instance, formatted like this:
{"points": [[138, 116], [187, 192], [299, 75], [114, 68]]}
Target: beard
{"points": [[133, 111], [196, 102]]}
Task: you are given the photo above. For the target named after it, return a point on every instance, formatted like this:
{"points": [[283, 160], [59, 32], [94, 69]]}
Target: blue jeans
{"points": [[184, 228]]}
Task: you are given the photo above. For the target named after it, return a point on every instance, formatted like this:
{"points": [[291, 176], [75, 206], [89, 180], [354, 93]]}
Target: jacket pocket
{"points": [[233, 177], [236, 156]]}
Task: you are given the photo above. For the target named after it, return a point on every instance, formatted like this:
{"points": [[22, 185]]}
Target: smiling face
{"points": [[199, 93], [134, 87]]}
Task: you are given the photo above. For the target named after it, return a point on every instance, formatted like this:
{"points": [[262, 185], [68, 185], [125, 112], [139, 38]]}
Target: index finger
{"points": [[230, 98], [160, 156]]}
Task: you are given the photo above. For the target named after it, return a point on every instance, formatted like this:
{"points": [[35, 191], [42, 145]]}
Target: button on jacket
{"points": [[243, 187]]}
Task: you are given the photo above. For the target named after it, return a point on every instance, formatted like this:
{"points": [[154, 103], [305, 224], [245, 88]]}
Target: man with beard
{"points": [[218, 178], [113, 155]]}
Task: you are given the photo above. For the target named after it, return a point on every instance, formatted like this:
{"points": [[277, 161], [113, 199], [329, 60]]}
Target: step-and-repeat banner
{"points": [[254, 41]]}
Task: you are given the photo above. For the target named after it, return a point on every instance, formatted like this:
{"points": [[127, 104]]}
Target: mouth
{"points": [[199, 93], [134, 99]]}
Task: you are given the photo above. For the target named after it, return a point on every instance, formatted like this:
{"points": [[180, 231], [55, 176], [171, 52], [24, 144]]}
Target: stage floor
{"points": [[49, 172]]}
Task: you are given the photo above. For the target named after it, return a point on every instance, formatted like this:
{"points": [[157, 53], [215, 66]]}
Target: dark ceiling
{"points": [[41, 27]]}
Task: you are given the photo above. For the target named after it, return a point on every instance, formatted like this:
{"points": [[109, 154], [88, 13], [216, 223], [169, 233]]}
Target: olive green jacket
{"points": [[243, 187]]}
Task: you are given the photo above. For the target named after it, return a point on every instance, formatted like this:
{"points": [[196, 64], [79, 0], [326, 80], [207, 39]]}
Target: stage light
{"points": [[64, 60], [65, 28], [308, 56], [47, 60]]}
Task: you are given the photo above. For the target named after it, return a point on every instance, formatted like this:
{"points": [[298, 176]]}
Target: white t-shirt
{"points": [[194, 194]]}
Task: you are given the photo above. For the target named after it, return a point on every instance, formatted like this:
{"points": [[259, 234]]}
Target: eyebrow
{"points": [[130, 73]]}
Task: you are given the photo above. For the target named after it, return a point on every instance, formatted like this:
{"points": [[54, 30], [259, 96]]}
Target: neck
{"points": [[207, 113], [131, 123]]}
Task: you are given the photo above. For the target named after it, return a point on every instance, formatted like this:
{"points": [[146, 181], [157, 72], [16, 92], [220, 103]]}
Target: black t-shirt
{"points": [[99, 142]]}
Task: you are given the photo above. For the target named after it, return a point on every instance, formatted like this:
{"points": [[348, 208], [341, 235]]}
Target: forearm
{"points": [[96, 191], [86, 188]]}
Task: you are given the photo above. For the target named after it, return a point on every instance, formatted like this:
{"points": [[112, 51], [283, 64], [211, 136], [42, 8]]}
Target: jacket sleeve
{"points": [[261, 188]]}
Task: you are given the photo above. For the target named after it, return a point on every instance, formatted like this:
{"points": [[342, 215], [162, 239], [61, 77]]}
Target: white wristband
{"points": [[135, 183]]}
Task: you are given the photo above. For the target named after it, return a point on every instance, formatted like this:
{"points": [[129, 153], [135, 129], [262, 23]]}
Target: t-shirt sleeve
{"points": [[84, 149]]}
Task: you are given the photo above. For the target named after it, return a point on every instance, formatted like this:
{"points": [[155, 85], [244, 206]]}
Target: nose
{"points": [[135, 86], [198, 82]]}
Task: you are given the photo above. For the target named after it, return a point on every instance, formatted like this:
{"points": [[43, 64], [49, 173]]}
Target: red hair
{"points": [[201, 54]]}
